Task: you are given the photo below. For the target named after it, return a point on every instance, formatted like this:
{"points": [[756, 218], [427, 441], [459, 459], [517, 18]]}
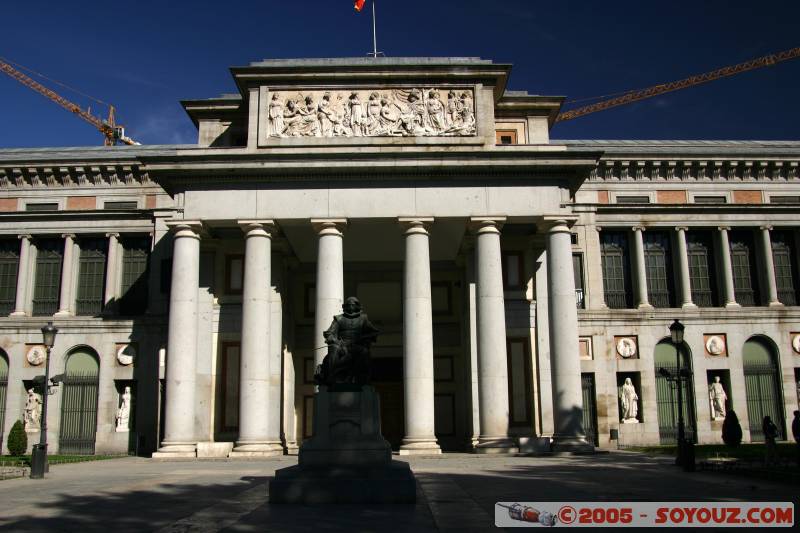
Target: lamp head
{"points": [[49, 334], [676, 332]]}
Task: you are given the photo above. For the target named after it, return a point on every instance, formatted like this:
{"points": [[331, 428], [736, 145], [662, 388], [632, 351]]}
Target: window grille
{"points": [[701, 267], [616, 273], [42, 207], [577, 270], [710, 200], [91, 277], [785, 274], [742, 262], [133, 204], [47, 284], [9, 264], [784, 199], [633, 199], [133, 289], [658, 265]]}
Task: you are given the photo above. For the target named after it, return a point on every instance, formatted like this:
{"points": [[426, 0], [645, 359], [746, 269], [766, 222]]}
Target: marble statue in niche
{"points": [[630, 403], [124, 411], [717, 398], [398, 112], [33, 411]]}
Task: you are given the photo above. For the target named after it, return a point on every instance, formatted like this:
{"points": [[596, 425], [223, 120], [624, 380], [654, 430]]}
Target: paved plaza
{"points": [[454, 492]]}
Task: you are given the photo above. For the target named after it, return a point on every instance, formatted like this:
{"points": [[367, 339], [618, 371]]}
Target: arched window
{"points": [[667, 393], [761, 386], [79, 402]]}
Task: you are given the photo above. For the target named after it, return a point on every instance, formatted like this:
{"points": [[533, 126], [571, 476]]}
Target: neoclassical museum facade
{"points": [[523, 286]]}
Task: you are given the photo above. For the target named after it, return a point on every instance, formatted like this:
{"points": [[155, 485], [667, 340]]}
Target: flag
{"points": [[359, 5]]}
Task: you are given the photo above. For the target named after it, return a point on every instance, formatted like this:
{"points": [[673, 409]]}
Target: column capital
{"points": [[185, 228], [329, 226], [638, 228], [486, 224], [113, 234], [681, 228], [26, 236], [556, 223], [724, 228], [257, 228], [767, 227], [415, 225], [68, 236]]}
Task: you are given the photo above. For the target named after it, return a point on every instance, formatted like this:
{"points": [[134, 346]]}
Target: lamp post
{"points": [[685, 455], [39, 454]]}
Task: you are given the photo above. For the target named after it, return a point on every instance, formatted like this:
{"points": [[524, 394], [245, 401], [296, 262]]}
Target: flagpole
{"points": [[374, 33]]}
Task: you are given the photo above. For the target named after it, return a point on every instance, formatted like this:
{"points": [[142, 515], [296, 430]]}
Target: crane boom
{"points": [[108, 128], [655, 90]]}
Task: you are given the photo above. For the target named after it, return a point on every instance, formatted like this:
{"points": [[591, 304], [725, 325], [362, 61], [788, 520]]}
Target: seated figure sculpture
{"points": [[348, 339]]}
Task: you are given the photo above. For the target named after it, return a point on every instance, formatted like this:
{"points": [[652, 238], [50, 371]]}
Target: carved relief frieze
{"points": [[380, 112]]}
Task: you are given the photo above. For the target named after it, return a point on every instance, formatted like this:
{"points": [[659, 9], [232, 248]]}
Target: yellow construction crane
{"points": [[112, 132], [641, 94]]}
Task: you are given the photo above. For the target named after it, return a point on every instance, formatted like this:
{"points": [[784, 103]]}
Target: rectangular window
{"points": [[47, 281], [91, 276], [230, 387], [577, 270], [9, 264], [633, 199], [710, 200], [701, 268], [42, 206], [506, 136], [784, 199], [133, 286], [512, 271], [783, 250], [743, 263], [519, 382], [234, 274], [616, 269], [658, 263], [127, 205]]}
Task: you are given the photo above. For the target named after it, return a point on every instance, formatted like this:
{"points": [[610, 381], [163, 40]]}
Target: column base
{"points": [[63, 313], [644, 307], [257, 449], [292, 448], [775, 304], [689, 305], [571, 445], [18, 313], [416, 446], [176, 450], [495, 446], [732, 305]]}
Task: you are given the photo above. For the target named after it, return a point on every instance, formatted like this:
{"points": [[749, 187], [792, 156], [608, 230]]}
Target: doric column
{"points": [[492, 361], [565, 364], [418, 341], [112, 274], [769, 267], [180, 439], [254, 398], [639, 270], [65, 299], [727, 268], [274, 415], [683, 271], [330, 279], [22, 276]]}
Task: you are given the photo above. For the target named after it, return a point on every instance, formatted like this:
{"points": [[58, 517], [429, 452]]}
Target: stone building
{"points": [[518, 281]]}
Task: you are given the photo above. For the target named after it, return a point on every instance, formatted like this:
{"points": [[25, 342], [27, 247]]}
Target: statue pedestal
{"points": [[347, 460]]}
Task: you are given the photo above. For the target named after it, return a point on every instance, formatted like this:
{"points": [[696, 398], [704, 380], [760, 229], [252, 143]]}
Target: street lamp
{"points": [[685, 455], [39, 454]]}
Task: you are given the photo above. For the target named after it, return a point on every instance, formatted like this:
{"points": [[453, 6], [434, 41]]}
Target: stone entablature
{"points": [[27, 177], [683, 170]]}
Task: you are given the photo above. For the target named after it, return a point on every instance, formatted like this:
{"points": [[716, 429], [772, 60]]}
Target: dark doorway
{"points": [[387, 378]]}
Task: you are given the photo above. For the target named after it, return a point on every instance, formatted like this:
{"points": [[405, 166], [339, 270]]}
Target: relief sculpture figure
{"points": [[394, 113]]}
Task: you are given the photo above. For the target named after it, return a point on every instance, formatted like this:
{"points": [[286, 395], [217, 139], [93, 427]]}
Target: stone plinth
{"points": [[347, 460]]}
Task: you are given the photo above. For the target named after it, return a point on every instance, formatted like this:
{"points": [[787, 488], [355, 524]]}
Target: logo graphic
{"points": [[517, 511]]}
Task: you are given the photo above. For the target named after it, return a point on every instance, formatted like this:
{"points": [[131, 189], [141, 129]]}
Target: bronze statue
{"points": [[348, 339]]}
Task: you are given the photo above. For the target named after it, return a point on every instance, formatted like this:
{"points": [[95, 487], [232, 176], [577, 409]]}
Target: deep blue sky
{"points": [[144, 56]]}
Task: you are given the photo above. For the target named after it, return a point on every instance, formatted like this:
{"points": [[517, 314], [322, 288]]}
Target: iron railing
{"points": [[703, 298], [667, 408], [745, 297], [763, 399], [78, 414], [660, 299], [3, 389], [589, 408], [787, 296], [579, 298], [617, 299]]}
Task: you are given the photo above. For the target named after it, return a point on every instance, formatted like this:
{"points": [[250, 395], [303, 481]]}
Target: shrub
{"points": [[17, 439], [731, 430]]}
